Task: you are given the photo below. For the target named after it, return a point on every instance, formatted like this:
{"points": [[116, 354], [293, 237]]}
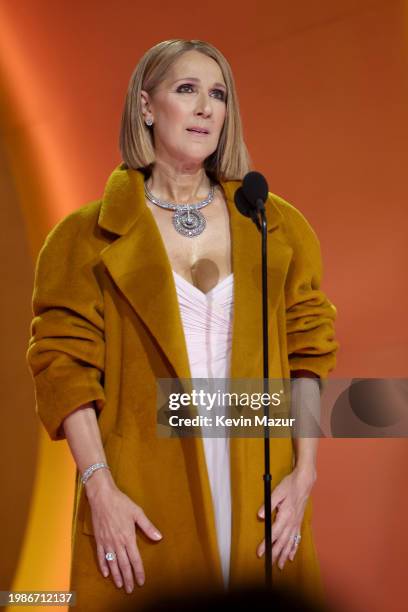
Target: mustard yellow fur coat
{"points": [[106, 325]]}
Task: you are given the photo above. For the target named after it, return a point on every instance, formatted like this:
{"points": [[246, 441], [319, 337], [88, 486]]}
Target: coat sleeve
{"points": [[310, 315], [66, 347]]}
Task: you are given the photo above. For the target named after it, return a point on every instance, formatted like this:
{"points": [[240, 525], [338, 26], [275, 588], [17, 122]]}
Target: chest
{"points": [[202, 260]]}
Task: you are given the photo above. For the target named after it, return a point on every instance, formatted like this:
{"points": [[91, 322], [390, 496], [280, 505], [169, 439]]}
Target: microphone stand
{"points": [[267, 477], [253, 211]]}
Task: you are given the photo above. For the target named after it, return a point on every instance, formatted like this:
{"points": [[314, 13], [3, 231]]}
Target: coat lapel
{"points": [[139, 265]]}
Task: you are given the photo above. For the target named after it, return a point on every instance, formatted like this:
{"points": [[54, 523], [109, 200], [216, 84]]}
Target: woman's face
{"points": [[193, 95]]}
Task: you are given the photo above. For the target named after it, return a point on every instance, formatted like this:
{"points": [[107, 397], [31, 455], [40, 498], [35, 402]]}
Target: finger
{"points": [[294, 548], [278, 546], [286, 550], [261, 547], [113, 567], [103, 564], [260, 551], [145, 525], [276, 498], [277, 527], [137, 563], [125, 569], [275, 502]]}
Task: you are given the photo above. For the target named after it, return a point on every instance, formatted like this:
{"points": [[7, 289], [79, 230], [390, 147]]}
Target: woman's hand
{"points": [[289, 497], [114, 516]]}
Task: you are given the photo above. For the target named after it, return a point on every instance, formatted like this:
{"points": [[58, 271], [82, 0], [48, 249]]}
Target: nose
{"points": [[204, 105]]}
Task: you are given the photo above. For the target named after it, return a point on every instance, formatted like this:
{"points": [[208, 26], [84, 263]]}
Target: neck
{"points": [[182, 185]]}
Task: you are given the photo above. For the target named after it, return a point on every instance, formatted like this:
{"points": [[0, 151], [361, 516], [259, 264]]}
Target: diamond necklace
{"points": [[187, 219]]}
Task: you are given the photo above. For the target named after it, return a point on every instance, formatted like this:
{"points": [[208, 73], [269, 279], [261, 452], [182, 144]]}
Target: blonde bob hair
{"points": [[230, 161]]}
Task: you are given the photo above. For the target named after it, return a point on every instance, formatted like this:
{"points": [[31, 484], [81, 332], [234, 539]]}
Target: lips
{"points": [[198, 130]]}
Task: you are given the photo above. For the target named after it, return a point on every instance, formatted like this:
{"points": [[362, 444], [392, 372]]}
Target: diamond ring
{"points": [[110, 556], [296, 539]]}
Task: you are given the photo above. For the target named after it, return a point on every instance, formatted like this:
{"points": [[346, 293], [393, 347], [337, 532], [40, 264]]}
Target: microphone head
{"points": [[245, 208], [255, 188], [242, 203]]}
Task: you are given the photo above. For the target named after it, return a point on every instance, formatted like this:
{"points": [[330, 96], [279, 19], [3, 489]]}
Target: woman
{"points": [[121, 287]]}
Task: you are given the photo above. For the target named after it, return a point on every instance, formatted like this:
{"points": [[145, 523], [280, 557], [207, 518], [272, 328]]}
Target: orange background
{"points": [[323, 91]]}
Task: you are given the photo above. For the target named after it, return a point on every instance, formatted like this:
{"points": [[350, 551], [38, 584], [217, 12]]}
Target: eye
{"points": [[181, 89], [221, 95]]}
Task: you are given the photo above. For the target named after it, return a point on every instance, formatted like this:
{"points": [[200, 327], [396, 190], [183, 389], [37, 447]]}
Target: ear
{"points": [[146, 103]]}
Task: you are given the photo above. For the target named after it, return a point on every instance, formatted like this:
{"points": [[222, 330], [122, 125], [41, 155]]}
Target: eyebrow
{"points": [[198, 81]]}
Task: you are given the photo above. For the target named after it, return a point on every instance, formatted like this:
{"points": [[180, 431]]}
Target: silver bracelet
{"points": [[92, 468]]}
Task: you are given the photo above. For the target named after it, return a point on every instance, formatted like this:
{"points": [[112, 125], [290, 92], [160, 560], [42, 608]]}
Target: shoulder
{"points": [[296, 226], [73, 241], [82, 220], [294, 219], [70, 251]]}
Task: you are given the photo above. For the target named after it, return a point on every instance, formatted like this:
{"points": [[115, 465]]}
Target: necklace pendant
{"points": [[189, 222]]}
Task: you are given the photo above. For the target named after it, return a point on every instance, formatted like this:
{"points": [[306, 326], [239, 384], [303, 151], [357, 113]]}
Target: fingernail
{"points": [[261, 514], [140, 581], [120, 585], [105, 573], [157, 535]]}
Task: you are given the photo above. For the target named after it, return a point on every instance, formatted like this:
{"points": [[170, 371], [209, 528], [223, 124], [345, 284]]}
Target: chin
{"points": [[194, 159], [199, 153]]}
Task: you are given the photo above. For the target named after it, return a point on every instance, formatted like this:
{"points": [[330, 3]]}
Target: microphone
{"points": [[255, 190], [250, 198], [242, 203], [245, 207]]}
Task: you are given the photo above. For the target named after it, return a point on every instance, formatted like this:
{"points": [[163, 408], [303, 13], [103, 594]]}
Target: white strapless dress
{"points": [[207, 323]]}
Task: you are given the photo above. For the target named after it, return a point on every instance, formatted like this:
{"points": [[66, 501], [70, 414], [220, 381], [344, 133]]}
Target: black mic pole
{"points": [[267, 475], [250, 204]]}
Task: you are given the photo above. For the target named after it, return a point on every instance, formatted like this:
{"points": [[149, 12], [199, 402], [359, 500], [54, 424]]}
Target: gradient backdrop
{"points": [[323, 91]]}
